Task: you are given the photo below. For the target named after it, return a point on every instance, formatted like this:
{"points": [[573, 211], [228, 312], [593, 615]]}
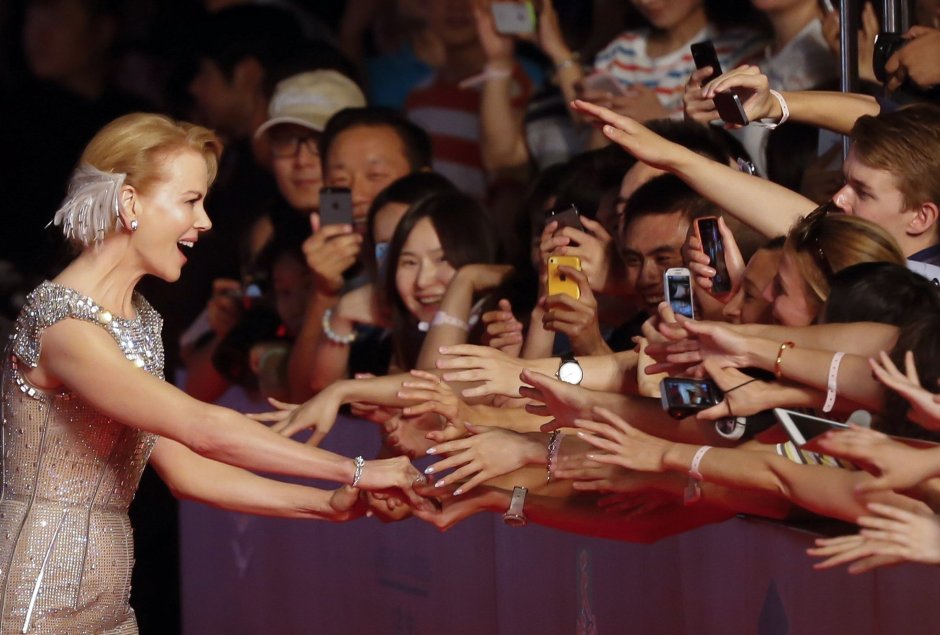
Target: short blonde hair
{"points": [[131, 150], [137, 144]]}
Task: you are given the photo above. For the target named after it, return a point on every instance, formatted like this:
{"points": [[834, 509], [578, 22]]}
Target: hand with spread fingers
{"points": [[894, 465], [554, 398], [432, 394], [925, 405], [485, 454], [888, 536], [619, 443]]}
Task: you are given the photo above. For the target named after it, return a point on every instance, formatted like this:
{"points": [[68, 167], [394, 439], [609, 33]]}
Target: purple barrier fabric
{"points": [[250, 575]]}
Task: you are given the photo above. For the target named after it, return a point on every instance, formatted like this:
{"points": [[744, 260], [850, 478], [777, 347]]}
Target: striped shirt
{"points": [[626, 59]]}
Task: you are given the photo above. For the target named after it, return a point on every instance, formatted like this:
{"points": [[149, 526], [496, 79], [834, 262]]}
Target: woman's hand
{"points": [[433, 395], [564, 402], [318, 413], [497, 372], [744, 396], [622, 444], [395, 476], [487, 453], [754, 89], [483, 277], [888, 536], [408, 435], [594, 247], [456, 508], [925, 405], [503, 330], [895, 465]]}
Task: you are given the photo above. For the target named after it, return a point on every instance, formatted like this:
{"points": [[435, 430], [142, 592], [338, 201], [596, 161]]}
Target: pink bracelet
{"points": [[832, 382]]}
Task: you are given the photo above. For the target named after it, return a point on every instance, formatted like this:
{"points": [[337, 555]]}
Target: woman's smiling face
{"points": [[422, 272], [171, 214]]}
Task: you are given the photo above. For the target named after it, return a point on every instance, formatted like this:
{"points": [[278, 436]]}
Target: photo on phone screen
{"points": [[513, 18], [558, 282], [565, 217], [714, 248], [682, 396], [677, 286], [336, 206]]}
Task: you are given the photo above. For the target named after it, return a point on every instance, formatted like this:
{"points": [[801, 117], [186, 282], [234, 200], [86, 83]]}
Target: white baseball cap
{"points": [[310, 99]]}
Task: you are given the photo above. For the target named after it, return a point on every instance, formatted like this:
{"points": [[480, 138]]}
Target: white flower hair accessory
{"points": [[92, 207]]}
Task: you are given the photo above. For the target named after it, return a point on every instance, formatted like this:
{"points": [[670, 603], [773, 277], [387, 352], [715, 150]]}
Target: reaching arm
{"points": [[190, 476]]}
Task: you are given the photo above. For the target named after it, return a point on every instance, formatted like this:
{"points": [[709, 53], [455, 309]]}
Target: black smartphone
{"points": [[704, 54], [727, 103], [714, 248], [683, 396], [336, 206], [565, 217]]}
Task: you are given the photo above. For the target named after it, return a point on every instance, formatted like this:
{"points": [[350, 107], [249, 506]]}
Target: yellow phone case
{"points": [[559, 282]]}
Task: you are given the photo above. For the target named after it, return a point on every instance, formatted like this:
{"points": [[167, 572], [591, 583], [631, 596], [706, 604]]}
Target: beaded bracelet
{"points": [[333, 336]]}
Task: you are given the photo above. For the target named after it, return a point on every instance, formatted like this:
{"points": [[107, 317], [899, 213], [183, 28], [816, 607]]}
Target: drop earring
{"points": [[134, 225]]}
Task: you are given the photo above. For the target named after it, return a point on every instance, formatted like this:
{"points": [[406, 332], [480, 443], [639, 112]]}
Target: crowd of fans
{"points": [[429, 309]]}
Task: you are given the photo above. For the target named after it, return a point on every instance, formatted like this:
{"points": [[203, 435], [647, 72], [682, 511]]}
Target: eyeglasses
{"points": [[807, 237], [288, 145]]}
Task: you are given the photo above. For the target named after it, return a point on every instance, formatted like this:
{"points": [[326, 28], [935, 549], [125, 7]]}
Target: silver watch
{"points": [[569, 370], [515, 515]]}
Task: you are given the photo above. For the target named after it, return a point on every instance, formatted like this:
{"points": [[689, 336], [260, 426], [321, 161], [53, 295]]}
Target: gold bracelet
{"points": [[778, 370]]}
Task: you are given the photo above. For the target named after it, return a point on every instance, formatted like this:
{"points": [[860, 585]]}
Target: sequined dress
{"points": [[69, 474]]}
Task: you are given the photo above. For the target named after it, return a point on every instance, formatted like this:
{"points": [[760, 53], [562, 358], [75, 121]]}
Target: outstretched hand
{"points": [[318, 413]]}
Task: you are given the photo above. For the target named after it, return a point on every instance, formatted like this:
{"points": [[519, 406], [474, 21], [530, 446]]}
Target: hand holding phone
{"points": [[677, 287], [727, 103], [558, 282], [714, 247]]}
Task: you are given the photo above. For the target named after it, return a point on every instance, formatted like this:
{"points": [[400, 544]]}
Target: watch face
{"points": [[570, 373]]}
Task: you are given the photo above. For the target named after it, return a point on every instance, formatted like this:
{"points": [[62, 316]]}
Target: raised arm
{"points": [[730, 189]]}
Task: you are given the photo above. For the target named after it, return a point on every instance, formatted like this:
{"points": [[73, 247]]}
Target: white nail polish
{"points": [[429, 470], [431, 451]]}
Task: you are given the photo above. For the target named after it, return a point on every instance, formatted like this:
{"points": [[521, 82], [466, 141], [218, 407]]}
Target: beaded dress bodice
{"points": [[69, 474]]}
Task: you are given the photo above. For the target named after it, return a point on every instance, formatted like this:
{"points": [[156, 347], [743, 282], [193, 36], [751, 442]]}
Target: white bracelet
{"points": [[693, 470], [784, 109], [489, 72], [332, 335], [833, 381], [359, 462], [446, 318]]}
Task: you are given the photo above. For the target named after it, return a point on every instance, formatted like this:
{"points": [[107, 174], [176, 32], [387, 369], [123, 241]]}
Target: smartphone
{"points": [[682, 396], [603, 82], [805, 430], [730, 108], [727, 103], [336, 206], [565, 217], [558, 282], [513, 18], [704, 54], [714, 248], [677, 285]]}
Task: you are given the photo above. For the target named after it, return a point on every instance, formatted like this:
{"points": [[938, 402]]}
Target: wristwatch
{"points": [[569, 370], [515, 515]]}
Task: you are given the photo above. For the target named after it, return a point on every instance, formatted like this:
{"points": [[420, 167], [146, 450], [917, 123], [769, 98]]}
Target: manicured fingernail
{"points": [[429, 470], [431, 451], [458, 492], [441, 483]]}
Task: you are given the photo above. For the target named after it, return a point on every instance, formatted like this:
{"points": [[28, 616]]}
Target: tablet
{"points": [[803, 428]]}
